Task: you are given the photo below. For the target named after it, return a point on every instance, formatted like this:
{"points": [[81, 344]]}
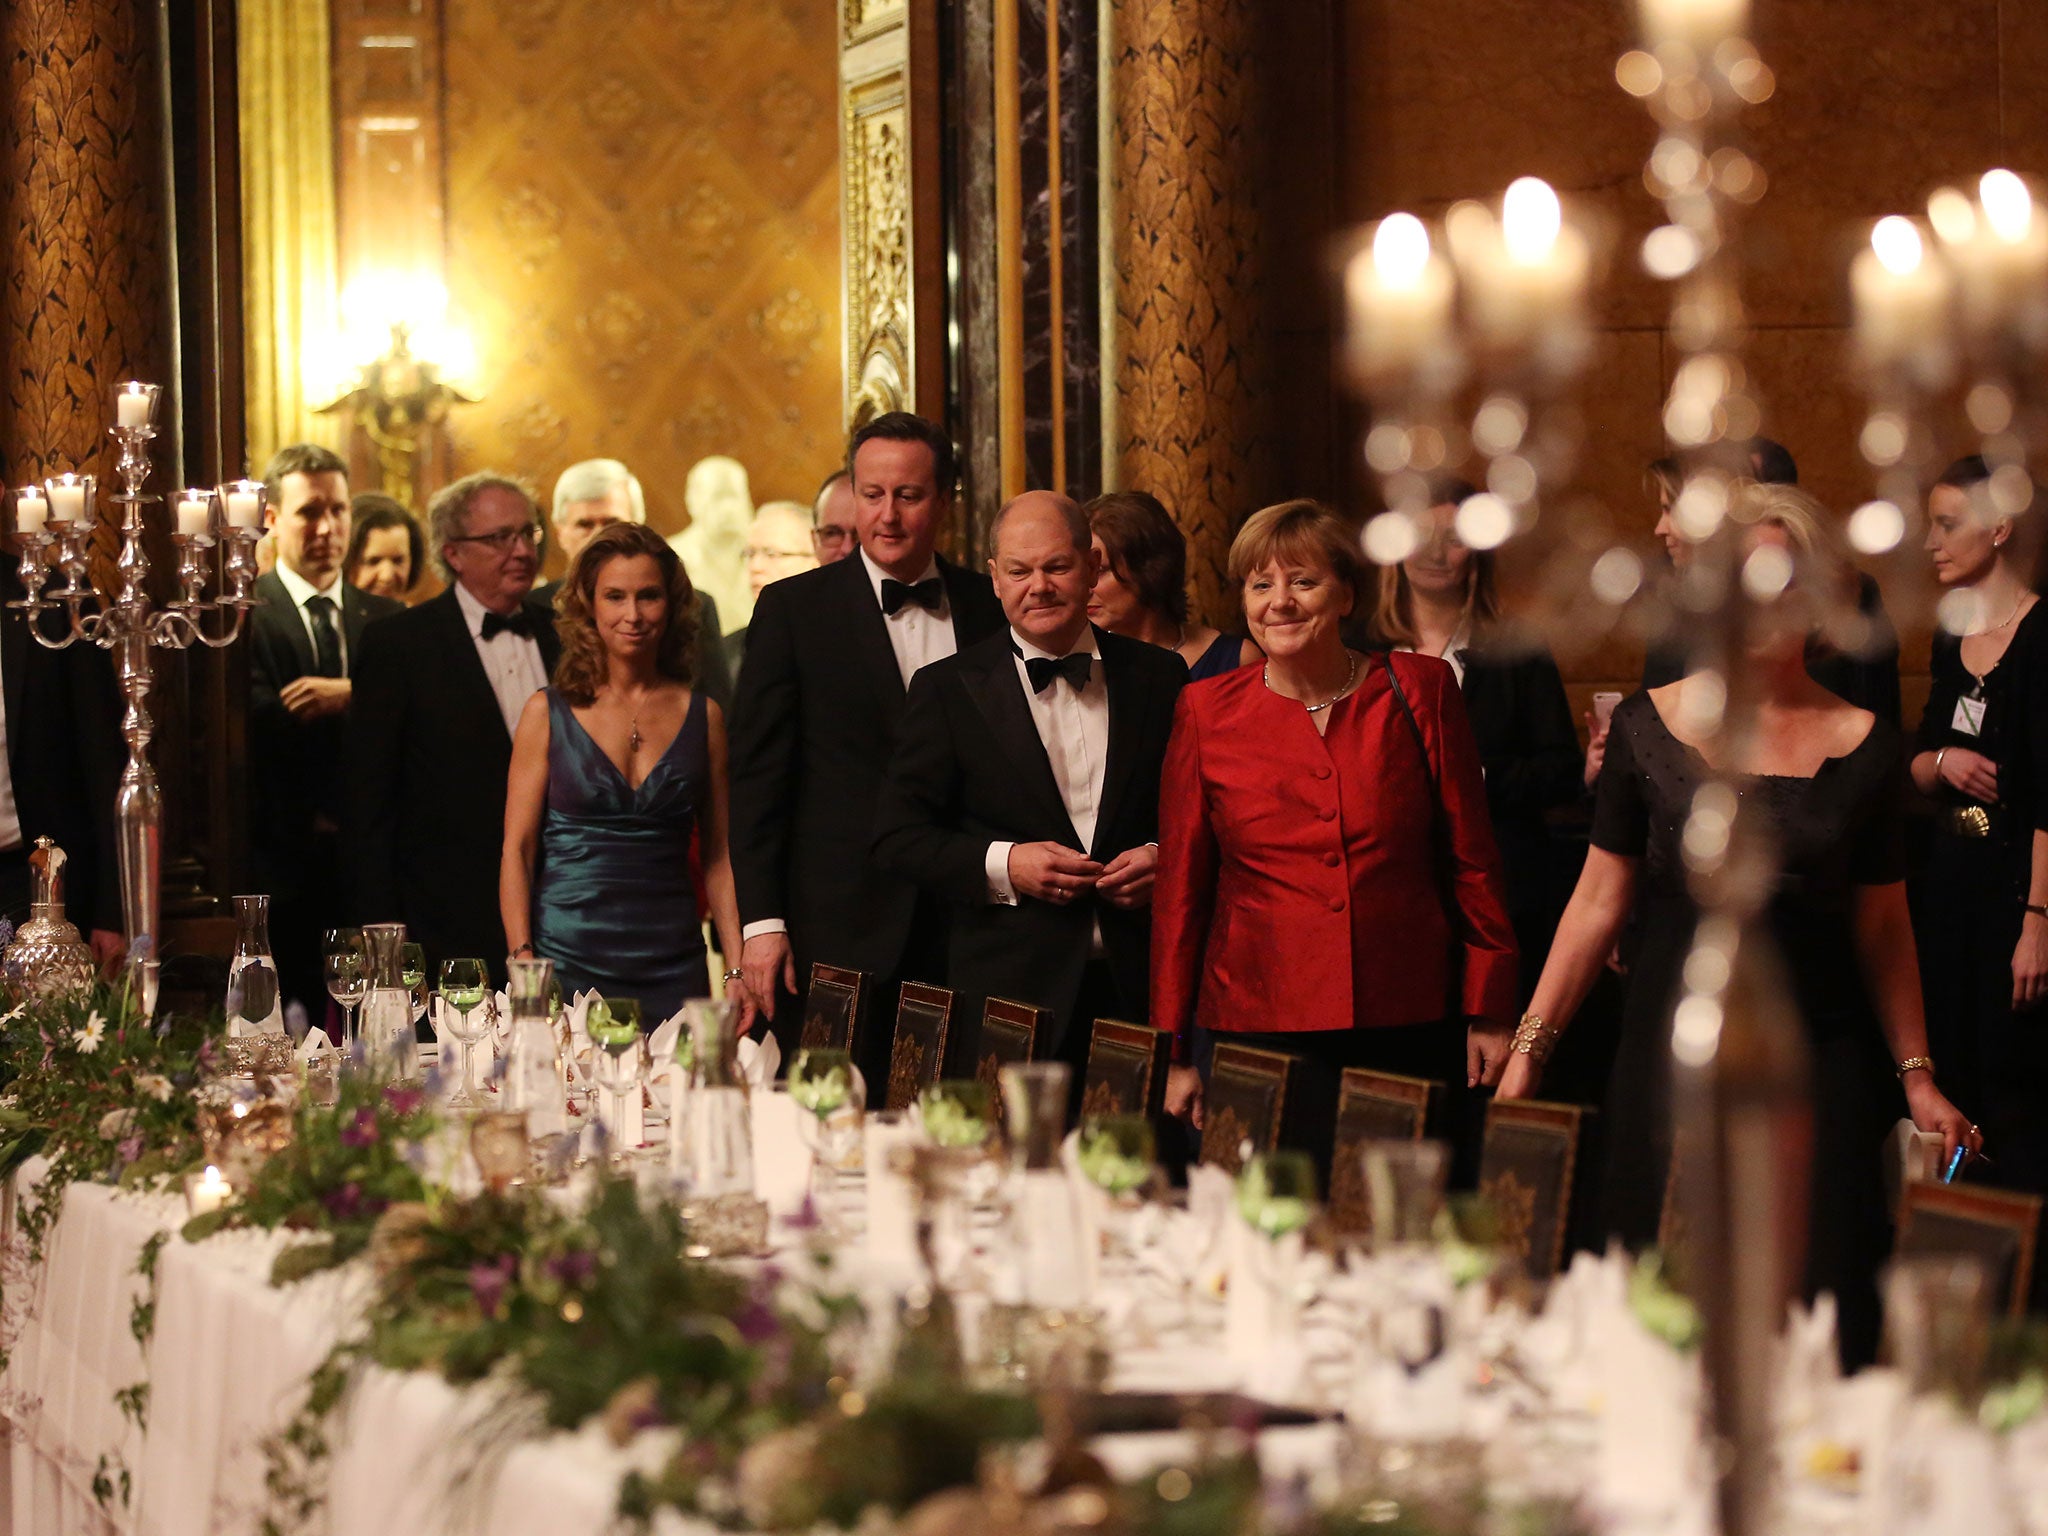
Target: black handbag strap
{"points": [[1415, 726]]}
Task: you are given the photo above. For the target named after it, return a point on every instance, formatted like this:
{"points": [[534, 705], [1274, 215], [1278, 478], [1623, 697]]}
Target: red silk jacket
{"points": [[1298, 882]]}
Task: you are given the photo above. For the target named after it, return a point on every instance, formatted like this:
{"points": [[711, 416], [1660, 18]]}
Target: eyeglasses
{"points": [[830, 535], [751, 553], [502, 541]]}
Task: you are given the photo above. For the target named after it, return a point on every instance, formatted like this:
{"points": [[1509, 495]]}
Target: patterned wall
{"points": [[643, 237]]}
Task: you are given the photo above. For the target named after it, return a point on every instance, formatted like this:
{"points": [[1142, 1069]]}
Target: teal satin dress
{"points": [[614, 904]]}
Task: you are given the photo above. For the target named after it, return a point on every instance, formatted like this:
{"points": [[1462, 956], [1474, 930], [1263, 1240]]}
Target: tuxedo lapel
{"points": [[355, 618], [1128, 708], [991, 677], [868, 632], [284, 618], [544, 633], [466, 676], [966, 599]]}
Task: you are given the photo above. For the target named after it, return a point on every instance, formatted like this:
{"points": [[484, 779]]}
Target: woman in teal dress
{"points": [[615, 769]]}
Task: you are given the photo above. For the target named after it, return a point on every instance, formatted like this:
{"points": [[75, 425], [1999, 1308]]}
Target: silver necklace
{"points": [[1266, 672]]}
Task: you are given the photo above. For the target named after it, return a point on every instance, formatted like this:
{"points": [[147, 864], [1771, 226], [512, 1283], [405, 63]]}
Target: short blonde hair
{"points": [[1808, 526], [1303, 532]]}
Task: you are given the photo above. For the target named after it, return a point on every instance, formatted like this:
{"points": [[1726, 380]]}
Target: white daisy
{"points": [[88, 1039], [156, 1086], [12, 1014]]}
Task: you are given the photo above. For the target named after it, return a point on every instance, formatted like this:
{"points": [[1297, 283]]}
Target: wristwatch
{"points": [[524, 951], [1916, 1064]]}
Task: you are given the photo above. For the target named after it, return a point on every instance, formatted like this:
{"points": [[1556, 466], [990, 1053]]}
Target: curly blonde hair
{"points": [[582, 670]]}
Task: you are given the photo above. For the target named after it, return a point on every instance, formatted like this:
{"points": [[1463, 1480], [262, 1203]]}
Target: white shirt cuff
{"points": [[997, 867], [765, 925]]}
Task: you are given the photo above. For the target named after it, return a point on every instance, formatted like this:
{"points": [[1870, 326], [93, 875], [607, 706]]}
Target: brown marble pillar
{"points": [[83, 305], [1183, 414]]}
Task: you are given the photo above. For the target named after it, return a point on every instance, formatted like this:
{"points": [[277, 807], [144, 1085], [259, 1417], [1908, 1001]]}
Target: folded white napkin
{"points": [[759, 1061], [312, 1043], [782, 1160], [661, 1044], [892, 1202]]}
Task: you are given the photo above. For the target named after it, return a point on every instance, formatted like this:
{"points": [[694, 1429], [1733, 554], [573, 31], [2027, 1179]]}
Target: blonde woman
{"points": [[1825, 775], [613, 770]]}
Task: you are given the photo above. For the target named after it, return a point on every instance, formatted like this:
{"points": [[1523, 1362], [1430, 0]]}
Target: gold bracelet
{"points": [[1916, 1064], [1534, 1038]]}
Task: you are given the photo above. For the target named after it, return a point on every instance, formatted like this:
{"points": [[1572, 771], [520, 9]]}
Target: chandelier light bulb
{"points": [[1897, 245], [2008, 206], [1400, 250], [1531, 218]]}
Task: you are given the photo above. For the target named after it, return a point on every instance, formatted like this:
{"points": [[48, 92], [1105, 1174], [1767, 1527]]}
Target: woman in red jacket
{"points": [[1327, 882]]}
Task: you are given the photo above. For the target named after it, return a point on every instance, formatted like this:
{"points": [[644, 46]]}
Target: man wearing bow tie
{"points": [[830, 653], [438, 692], [1025, 792]]}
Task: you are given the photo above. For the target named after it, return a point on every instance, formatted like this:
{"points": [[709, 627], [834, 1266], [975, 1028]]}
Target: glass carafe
{"points": [[253, 1005], [719, 1131], [1045, 1222], [387, 1008], [533, 1079]]}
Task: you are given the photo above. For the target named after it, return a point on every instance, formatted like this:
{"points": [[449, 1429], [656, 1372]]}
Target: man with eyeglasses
{"points": [[835, 529], [778, 545], [438, 692]]}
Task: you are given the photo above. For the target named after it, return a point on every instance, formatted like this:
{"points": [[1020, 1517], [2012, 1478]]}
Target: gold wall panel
{"points": [[877, 214], [643, 237]]}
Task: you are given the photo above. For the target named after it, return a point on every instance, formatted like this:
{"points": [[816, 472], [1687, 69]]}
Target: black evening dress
{"points": [[1837, 831], [1993, 1065]]}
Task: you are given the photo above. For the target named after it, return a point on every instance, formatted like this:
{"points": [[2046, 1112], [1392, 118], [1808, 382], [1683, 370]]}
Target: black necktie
{"points": [[519, 622], [1043, 669], [326, 638], [927, 594]]}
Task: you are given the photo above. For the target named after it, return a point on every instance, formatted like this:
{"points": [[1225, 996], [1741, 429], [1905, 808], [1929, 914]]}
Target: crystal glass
{"points": [[1937, 1322], [1035, 1111], [1404, 1190], [534, 1083], [253, 1005], [347, 985], [613, 1024], [825, 1083], [958, 1113], [498, 1141], [463, 983], [1117, 1154], [712, 1112], [412, 970], [1276, 1192]]}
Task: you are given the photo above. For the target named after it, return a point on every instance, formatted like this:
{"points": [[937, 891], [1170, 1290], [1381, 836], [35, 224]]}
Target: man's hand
{"points": [[1487, 1049], [1970, 772], [1184, 1094], [109, 949], [766, 959], [1050, 872], [314, 698], [1126, 881]]}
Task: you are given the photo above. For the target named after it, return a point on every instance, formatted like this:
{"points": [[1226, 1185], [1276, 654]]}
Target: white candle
{"points": [[1398, 294], [1901, 299], [131, 407], [194, 516], [1527, 274], [245, 508], [206, 1193], [1699, 24], [67, 502], [31, 511], [1999, 250]]}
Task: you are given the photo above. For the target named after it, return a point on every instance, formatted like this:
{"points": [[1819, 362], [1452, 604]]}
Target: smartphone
{"points": [[1603, 708]]}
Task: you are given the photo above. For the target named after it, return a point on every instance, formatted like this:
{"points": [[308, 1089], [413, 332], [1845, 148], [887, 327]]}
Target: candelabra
{"points": [[54, 523]]}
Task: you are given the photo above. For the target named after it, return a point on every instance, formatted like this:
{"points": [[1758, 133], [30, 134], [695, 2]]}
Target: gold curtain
{"points": [[291, 302]]}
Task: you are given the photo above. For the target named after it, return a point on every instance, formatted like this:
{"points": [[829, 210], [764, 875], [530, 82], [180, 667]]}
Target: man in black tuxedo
{"points": [[1025, 792], [60, 719], [830, 653], [439, 689], [301, 643]]}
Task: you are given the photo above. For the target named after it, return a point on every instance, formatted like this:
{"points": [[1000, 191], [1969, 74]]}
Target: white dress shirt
{"points": [[10, 813], [301, 590], [1073, 723], [918, 635], [1454, 650], [512, 662]]}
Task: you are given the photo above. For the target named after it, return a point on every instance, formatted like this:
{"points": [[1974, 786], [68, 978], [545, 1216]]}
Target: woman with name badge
{"points": [[1981, 756]]}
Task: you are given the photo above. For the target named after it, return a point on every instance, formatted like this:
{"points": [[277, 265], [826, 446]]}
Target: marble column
{"points": [[84, 303], [1185, 396]]}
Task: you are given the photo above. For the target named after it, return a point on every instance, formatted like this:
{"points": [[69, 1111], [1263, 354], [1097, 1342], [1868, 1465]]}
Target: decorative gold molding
{"points": [[289, 253], [863, 19], [875, 174]]}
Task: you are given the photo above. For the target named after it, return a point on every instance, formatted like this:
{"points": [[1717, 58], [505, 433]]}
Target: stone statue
{"points": [[720, 506]]}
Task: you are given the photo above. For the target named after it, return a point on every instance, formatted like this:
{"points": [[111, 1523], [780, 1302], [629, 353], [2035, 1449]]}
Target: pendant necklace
{"points": [[1351, 677], [633, 741]]}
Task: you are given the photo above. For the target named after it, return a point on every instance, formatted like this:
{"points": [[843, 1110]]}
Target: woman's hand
{"points": [[1184, 1095], [1487, 1049], [2030, 962], [1596, 747], [1972, 773], [1932, 1113], [1520, 1078]]}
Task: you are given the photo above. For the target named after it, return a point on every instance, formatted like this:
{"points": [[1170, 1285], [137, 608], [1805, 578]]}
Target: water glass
{"points": [[412, 970], [829, 1087], [613, 1024], [1404, 1190], [1937, 1322], [463, 982]]}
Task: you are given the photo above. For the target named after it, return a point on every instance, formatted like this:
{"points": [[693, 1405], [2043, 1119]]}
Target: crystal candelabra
{"points": [[54, 524]]}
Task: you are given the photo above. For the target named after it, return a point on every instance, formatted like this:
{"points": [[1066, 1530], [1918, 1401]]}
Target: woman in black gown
{"points": [[1981, 755], [1825, 775]]}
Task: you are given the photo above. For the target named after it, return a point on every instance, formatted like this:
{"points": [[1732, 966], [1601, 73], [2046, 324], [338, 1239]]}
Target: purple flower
{"points": [[346, 1203], [403, 1101], [6, 932], [206, 1058], [487, 1282], [756, 1321], [128, 1149], [573, 1269], [804, 1217], [361, 1131]]}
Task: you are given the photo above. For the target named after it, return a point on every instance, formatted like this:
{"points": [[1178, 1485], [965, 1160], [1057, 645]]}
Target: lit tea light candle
{"points": [[1697, 24], [195, 515], [1901, 297], [31, 511], [135, 405], [1398, 293], [244, 508], [67, 498], [206, 1192]]}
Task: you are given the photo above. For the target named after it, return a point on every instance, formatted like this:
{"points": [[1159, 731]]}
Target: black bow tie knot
{"points": [[1043, 670], [519, 622], [927, 594]]}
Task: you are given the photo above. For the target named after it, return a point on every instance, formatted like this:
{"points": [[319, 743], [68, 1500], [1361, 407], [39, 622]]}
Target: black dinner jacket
{"points": [[295, 766], [971, 770], [814, 726], [64, 755], [428, 755]]}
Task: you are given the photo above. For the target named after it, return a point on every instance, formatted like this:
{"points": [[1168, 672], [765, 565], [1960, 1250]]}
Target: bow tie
{"points": [[1042, 670], [519, 622], [927, 594]]}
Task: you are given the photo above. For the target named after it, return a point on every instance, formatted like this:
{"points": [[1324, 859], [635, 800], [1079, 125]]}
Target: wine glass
{"points": [[412, 970], [613, 1024], [1276, 1193], [348, 982], [462, 989], [958, 1113], [1116, 1154], [825, 1082]]}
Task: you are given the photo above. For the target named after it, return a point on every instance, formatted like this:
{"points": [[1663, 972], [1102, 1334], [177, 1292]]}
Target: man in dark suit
{"points": [[60, 718], [439, 689], [1025, 791], [829, 655], [301, 643]]}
